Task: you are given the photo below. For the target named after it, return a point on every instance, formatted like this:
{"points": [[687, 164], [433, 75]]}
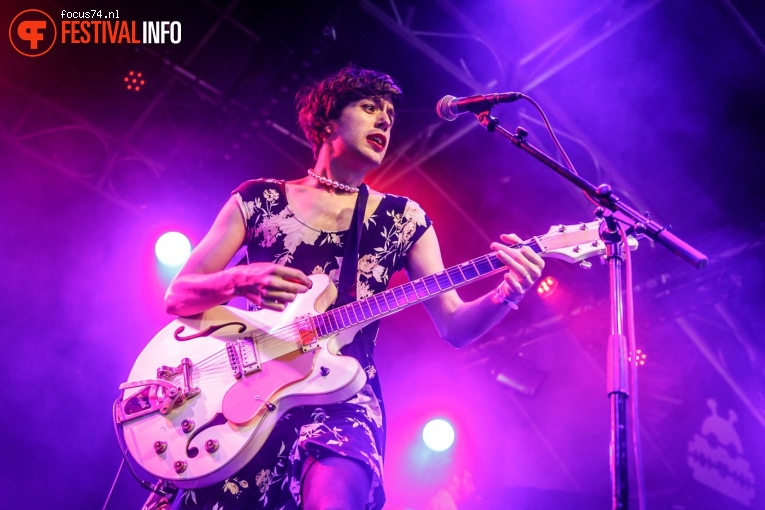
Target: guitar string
{"points": [[219, 362], [288, 332], [287, 336], [284, 336]]}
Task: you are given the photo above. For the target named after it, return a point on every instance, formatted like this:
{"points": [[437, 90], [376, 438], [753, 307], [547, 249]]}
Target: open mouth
{"points": [[377, 140]]}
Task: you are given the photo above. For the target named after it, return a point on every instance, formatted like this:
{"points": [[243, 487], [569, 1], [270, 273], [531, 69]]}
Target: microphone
{"points": [[450, 107]]}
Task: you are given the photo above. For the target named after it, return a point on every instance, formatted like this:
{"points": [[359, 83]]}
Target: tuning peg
{"points": [[585, 264]]}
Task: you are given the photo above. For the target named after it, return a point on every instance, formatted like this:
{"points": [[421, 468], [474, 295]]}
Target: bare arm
{"points": [[460, 322], [203, 282]]}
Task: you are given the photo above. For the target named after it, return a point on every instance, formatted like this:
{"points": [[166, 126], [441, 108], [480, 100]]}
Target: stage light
{"points": [[547, 287], [438, 435], [134, 81], [172, 249], [640, 358]]}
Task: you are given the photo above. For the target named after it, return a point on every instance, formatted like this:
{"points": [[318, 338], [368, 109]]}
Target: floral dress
{"points": [[352, 429]]}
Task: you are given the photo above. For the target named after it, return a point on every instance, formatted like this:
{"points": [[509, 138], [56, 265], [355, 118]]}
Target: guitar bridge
{"points": [[243, 357], [157, 395]]}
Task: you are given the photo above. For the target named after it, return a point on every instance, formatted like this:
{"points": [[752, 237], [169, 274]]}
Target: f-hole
{"points": [[218, 419]]}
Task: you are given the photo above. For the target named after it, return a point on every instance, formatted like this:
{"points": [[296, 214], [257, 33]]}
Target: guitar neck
{"points": [[410, 293]]}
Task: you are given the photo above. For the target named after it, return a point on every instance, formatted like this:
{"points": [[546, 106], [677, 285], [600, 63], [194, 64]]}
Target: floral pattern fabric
{"points": [[353, 429]]}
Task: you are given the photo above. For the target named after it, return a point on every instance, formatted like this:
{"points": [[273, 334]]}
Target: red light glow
{"points": [[640, 358], [134, 81], [547, 287]]}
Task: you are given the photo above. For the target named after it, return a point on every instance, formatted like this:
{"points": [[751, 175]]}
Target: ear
{"points": [[327, 132]]}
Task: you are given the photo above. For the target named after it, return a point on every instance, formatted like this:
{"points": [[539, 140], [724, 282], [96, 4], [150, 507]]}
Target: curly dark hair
{"points": [[319, 103]]}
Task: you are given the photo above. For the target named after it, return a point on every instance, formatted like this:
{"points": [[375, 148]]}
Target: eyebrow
{"points": [[378, 101]]}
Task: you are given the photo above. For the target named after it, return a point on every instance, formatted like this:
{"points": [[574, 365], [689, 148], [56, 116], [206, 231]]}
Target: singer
{"points": [[330, 456]]}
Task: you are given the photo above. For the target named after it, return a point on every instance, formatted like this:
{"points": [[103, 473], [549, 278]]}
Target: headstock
{"points": [[574, 243]]}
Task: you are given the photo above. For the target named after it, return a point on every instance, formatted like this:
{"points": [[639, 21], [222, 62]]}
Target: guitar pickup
{"points": [[309, 339]]}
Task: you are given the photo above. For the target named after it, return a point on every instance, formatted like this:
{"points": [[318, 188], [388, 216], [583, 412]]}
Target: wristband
{"points": [[499, 297]]}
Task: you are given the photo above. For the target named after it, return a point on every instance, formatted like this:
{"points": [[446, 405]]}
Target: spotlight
{"points": [[134, 81], [172, 249], [547, 287], [438, 435]]}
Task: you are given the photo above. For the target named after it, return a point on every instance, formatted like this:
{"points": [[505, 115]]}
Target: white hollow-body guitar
{"points": [[205, 393]]}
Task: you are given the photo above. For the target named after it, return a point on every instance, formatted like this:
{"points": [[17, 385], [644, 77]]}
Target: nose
{"points": [[384, 121]]}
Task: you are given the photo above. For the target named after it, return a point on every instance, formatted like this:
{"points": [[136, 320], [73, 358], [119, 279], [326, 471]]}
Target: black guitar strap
{"points": [[347, 285]]}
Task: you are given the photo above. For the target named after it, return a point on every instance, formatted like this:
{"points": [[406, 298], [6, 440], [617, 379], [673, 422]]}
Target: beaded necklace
{"points": [[331, 183]]}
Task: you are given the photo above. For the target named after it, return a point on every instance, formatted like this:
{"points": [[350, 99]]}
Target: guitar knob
{"points": [[180, 466], [324, 371], [187, 426], [160, 446], [212, 445]]}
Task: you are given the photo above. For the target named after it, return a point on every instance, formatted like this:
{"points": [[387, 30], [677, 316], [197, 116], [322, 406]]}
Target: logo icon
{"points": [[32, 33], [716, 457]]}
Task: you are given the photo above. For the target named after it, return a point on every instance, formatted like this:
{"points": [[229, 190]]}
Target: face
{"points": [[361, 135]]}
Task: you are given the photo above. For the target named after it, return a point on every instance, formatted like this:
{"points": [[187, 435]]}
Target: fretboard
{"points": [[396, 299]]}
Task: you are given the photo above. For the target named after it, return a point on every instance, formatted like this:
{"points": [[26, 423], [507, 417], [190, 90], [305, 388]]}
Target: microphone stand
{"points": [[614, 212]]}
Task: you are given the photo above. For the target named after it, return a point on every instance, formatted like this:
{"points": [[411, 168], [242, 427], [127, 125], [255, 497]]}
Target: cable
{"points": [[558, 145], [114, 484], [633, 383], [552, 133], [161, 487]]}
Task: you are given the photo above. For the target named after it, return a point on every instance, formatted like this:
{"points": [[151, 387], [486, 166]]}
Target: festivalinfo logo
{"points": [[33, 32]]}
